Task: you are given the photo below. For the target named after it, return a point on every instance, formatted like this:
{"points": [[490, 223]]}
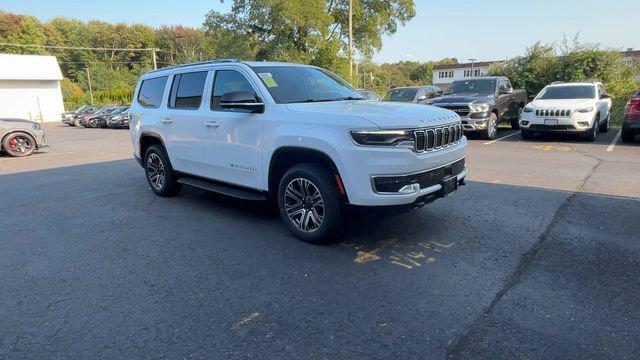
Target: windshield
{"points": [[296, 84], [568, 92], [484, 86], [405, 94], [369, 95]]}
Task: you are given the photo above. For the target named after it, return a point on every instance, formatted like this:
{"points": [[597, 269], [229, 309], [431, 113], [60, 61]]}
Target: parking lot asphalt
{"points": [[537, 257]]}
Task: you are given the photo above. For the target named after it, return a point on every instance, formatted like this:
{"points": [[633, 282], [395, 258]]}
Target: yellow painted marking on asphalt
{"points": [[430, 260], [364, 257], [401, 264], [245, 321], [416, 255], [614, 142], [552, 148], [441, 245]]}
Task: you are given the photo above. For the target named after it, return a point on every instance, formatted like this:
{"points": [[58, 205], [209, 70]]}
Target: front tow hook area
{"points": [[429, 198]]}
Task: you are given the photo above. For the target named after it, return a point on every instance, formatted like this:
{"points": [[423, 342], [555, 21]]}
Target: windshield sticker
{"points": [[268, 79]]}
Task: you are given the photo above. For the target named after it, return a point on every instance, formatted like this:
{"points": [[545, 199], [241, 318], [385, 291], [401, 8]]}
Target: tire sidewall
{"points": [[171, 186], [5, 144], [323, 180]]}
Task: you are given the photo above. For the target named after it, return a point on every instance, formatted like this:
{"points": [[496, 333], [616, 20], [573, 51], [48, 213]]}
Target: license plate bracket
{"points": [[449, 185], [551, 122]]}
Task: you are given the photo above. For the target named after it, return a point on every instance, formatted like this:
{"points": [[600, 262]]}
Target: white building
{"points": [[444, 75], [30, 87]]}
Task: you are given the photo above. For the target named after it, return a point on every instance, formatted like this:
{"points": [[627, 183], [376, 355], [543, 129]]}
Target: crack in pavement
{"points": [[525, 260]]}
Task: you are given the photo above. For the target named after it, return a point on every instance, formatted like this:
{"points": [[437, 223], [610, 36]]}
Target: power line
{"points": [[77, 47]]}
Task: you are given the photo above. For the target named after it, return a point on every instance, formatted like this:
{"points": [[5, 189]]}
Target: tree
{"points": [[307, 31]]}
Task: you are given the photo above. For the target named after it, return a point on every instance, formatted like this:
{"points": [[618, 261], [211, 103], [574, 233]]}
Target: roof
{"points": [[29, 67], [465, 65], [207, 64]]}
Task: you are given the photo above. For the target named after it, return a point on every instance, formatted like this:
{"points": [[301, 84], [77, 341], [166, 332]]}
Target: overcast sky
{"points": [[485, 30]]}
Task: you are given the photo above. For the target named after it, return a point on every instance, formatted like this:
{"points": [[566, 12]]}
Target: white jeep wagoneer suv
{"points": [[296, 133]]}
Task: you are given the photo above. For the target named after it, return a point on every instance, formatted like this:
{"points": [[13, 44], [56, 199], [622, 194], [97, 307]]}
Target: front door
{"points": [[233, 137]]}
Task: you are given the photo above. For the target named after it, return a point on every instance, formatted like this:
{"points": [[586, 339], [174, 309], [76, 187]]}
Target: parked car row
{"points": [[110, 116]]}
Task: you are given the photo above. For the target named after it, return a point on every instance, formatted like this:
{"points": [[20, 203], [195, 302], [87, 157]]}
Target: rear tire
{"points": [[605, 126], [19, 144], [310, 204], [159, 172], [515, 123], [492, 127]]}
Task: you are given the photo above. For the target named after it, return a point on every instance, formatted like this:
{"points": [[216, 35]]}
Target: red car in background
{"points": [[631, 123]]}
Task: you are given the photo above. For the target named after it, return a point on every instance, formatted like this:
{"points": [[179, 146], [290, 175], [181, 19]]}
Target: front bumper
{"points": [[577, 123], [361, 166], [469, 124]]}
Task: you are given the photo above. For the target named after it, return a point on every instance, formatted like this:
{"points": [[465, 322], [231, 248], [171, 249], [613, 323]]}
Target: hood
{"points": [[17, 121], [462, 98], [385, 115], [561, 104]]}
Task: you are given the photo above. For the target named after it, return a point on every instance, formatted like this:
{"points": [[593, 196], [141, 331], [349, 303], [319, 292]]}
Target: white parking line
{"points": [[615, 141], [498, 139]]}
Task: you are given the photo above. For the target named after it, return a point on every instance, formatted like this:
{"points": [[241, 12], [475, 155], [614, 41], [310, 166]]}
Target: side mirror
{"points": [[242, 100], [531, 97], [605, 96], [439, 93], [505, 91], [422, 98]]}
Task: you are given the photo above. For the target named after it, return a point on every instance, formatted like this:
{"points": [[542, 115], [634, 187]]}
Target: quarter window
{"points": [[227, 81], [187, 89], [151, 92]]}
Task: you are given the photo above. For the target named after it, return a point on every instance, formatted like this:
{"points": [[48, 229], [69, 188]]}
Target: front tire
{"points": [[492, 127], [19, 144], [310, 204], [160, 175], [592, 134], [526, 134]]}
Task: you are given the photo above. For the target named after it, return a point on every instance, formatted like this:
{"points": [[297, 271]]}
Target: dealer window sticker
{"points": [[268, 79]]}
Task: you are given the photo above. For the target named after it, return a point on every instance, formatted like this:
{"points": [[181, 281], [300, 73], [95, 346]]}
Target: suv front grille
{"points": [[436, 138], [426, 179], [553, 113]]}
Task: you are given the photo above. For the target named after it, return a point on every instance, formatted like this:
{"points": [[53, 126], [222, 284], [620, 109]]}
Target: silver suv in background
{"points": [[412, 94]]}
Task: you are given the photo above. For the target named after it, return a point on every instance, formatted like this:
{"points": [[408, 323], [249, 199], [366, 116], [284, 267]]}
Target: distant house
{"points": [[444, 75], [30, 87]]}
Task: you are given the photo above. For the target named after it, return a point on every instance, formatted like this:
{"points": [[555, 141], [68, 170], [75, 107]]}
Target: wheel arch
{"points": [[148, 139], [286, 157]]}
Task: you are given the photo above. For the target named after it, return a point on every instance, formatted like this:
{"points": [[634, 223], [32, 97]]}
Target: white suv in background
{"points": [[296, 133], [581, 107]]}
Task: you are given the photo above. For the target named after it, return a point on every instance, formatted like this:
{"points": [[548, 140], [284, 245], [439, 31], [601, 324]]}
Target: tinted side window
{"points": [[187, 89], [229, 81], [151, 91]]}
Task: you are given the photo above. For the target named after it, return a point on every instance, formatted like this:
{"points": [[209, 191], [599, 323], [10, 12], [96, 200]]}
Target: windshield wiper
{"points": [[311, 101], [349, 98]]}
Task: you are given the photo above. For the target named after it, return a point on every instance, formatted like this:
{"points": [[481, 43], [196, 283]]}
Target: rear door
{"points": [[504, 101], [183, 123]]}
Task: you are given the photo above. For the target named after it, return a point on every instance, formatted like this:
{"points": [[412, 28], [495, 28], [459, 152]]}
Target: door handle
{"points": [[212, 124], [166, 120]]}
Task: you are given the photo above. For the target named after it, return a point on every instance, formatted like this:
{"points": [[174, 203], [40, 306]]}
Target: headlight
{"points": [[479, 107], [527, 109], [585, 110], [399, 138], [36, 126]]}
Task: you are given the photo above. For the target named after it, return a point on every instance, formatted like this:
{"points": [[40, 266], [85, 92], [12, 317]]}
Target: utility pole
{"points": [[89, 80], [153, 57], [472, 62], [350, 40]]}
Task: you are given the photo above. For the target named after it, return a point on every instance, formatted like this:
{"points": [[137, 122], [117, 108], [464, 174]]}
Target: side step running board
{"points": [[222, 189]]}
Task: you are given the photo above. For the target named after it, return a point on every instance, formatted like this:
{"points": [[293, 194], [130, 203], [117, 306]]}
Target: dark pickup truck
{"points": [[482, 103]]}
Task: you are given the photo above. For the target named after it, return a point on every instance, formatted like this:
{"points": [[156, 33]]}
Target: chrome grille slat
{"points": [[437, 138], [553, 113]]}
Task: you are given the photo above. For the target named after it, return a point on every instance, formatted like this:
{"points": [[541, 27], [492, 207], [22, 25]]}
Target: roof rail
{"points": [[215, 61]]}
